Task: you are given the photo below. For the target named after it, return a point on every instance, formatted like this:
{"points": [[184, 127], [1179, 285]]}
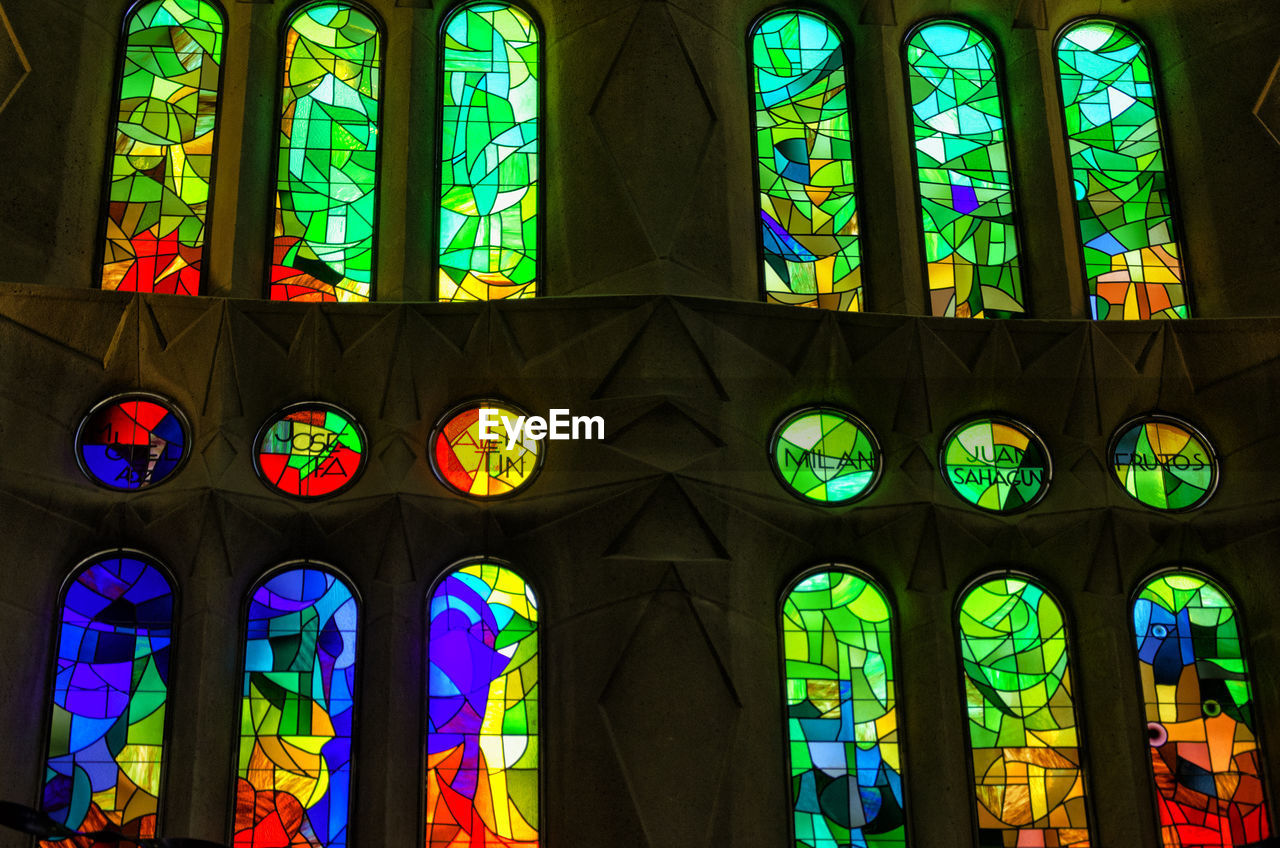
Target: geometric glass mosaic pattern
{"points": [[1028, 780], [842, 720], [1164, 463], [482, 782], [825, 455], [996, 464], [470, 464], [110, 690], [293, 784], [489, 154], [310, 450], [326, 197], [132, 441], [161, 158], [1132, 259], [1200, 715], [804, 150], [962, 162]]}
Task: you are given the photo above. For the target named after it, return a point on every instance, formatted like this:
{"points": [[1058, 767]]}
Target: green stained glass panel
{"points": [[1132, 259], [161, 159], [1028, 780], [326, 183], [804, 149], [825, 455], [842, 717], [996, 464], [1201, 718], [962, 162], [1164, 463], [489, 155]]}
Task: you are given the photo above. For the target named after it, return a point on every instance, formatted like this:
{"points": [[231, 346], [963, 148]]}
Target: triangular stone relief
{"points": [[672, 749], [928, 568], [665, 435], [1267, 107], [667, 526], [655, 118], [14, 67], [661, 359]]}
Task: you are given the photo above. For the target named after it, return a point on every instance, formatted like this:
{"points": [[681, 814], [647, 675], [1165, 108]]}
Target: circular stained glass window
{"points": [[310, 450], [480, 449], [1164, 463], [996, 464], [133, 441], [825, 455]]}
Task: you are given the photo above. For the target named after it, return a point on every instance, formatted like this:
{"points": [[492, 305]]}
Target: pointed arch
{"points": [[293, 773], [964, 173], [842, 711], [1129, 239], [483, 763], [326, 195], [490, 157], [160, 163], [1201, 718], [108, 718], [1028, 774], [809, 228]]}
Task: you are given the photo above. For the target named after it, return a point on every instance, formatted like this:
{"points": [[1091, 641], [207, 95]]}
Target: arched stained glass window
{"points": [[1028, 778], [1200, 714], [110, 692], [482, 709], [962, 162], [842, 717], [293, 784], [489, 193], [1132, 259], [161, 157], [804, 150], [327, 175]]}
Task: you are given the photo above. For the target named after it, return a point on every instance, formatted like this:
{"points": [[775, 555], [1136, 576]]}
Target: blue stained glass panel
{"points": [[294, 775], [110, 692]]}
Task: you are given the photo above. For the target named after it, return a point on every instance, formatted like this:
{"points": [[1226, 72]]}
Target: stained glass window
{"points": [[1164, 463], [482, 710], [962, 162], [1028, 779], [471, 464], [842, 717], [1200, 715], [1132, 259], [825, 455], [110, 692], [132, 441], [326, 183], [310, 450], [804, 149], [161, 157], [293, 778], [489, 154], [996, 464]]}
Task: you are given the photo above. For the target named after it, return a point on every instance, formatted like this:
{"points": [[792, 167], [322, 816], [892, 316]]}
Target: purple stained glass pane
{"points": [[482, 710]]}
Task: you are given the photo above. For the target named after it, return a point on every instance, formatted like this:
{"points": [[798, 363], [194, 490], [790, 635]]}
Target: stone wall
{"points": [[660, 554]]}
